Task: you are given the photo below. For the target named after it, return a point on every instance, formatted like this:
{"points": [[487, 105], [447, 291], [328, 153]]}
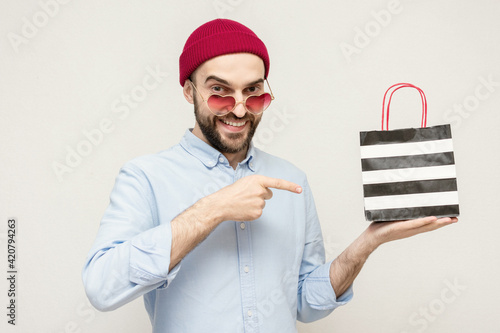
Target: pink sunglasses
{"points": [[221, 105]]}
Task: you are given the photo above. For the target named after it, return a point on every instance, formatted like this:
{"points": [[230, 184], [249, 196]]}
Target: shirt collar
{"points": [[210, 156]]}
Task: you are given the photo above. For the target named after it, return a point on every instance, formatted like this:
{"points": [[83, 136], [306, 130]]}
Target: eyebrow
{"points": [[255, 82], [218, 79]]}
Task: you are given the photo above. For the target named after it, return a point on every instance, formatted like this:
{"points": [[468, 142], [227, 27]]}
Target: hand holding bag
{"points": [[408, 173]]}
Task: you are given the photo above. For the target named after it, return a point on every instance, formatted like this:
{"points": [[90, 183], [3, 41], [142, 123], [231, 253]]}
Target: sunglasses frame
{"points": [[270, 93]]}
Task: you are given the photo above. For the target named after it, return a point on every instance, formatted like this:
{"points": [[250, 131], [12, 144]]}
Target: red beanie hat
{"points": [[215, 38]]}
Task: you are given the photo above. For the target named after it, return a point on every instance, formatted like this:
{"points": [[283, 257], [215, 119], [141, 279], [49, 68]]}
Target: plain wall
{"points": [[331, 62]]}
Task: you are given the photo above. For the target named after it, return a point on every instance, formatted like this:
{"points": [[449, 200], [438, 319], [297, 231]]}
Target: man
{"points": [[196, 228]]}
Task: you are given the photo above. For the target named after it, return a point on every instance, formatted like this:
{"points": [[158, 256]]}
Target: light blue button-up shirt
{"points": [[256, 276]]}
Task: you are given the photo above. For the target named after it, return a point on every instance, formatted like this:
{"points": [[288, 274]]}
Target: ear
{"points": [[188, 91]]}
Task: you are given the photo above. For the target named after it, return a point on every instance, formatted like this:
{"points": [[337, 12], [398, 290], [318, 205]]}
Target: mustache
{"points": [[233, 118]]}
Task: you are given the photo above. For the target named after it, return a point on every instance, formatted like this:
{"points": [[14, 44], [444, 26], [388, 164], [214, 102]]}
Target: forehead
{"points": [[237, 67]]}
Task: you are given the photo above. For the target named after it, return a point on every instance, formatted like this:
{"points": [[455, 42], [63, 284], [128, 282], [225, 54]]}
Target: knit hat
{"points": [[215, 38]]}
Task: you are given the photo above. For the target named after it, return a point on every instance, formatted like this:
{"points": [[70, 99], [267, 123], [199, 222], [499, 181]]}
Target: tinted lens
{"points": [[257, 104], [221, 104]]}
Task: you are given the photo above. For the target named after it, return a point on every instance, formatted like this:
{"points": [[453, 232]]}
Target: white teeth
{"points": [[234, 124]]}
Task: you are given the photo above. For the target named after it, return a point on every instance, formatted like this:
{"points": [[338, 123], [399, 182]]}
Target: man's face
{"points": [[239, 75]]}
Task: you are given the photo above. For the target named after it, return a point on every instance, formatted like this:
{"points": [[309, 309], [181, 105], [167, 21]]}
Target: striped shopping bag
{"points": [[408, 173]]}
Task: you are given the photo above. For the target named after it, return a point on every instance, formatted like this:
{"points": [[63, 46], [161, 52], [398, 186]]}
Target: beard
{"points": [[233, 142]]}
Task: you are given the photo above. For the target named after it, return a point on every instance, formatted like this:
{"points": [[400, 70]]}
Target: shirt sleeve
{"points": [[131, 253], [316, 297]]}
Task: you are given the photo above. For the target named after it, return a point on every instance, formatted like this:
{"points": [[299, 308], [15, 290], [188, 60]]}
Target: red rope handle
{"points": [[424, 105], [423, 122]]}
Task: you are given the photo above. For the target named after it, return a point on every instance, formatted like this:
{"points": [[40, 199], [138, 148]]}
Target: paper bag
{"points": [[408, 173]]}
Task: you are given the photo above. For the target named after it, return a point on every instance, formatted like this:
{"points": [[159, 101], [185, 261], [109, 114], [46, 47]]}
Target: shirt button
{"points": [[221, 159], [251, 165], [246, 269], [242, 226], [249, 313]]}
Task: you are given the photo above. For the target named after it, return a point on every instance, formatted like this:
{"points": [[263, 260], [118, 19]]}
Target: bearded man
{"points": [[238, 258]]}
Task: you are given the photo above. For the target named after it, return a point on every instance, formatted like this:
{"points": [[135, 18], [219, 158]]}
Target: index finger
{"points": [[280, 184]]}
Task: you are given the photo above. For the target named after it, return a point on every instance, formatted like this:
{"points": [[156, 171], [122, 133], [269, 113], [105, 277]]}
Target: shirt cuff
{"points": [[319, 292], [150, 257]]}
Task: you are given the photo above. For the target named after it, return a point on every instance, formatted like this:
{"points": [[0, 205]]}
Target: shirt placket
{"points": [[246, 270]]}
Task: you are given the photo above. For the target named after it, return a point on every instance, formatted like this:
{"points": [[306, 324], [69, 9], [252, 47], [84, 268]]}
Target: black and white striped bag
{"points": [[408, 173]]}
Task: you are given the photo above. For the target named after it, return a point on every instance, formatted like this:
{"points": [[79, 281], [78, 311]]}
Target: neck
{"points": [[235, 158]]}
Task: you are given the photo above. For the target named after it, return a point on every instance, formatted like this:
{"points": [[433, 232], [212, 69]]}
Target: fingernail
{"points": [[298, 189]]}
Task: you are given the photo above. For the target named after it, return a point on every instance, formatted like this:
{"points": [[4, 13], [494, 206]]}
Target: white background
{"points": [[63, 77]]}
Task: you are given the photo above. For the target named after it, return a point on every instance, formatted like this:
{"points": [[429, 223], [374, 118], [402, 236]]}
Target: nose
{"points": [[239, 109]]}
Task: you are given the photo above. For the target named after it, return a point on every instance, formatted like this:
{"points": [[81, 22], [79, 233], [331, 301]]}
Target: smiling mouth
{"points": [[235, 124]]}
